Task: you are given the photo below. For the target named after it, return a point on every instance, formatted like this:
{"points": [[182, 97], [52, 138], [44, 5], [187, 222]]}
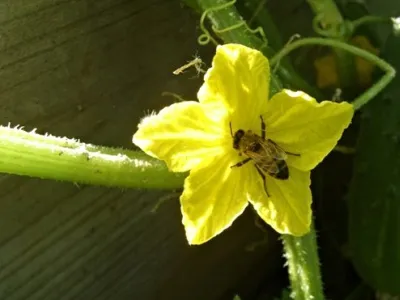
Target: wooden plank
{"points": [[90, 69]]}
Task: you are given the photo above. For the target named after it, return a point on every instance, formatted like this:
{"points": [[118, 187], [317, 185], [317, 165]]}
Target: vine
{"points": [[367, 95], [346, 28]]}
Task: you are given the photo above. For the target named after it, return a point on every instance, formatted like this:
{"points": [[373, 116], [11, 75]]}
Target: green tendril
{"points": [[206, 37], [345, 28], [367, 95], [257, 10], [291, 39], [240, 24], [330, 32], [367, 20]]}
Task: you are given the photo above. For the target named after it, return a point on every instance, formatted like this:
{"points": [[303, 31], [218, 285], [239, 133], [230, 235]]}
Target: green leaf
{"points": [[374, 207], [387, 8]]}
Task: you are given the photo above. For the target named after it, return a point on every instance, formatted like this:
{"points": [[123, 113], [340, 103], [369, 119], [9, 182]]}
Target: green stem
{"points": [[368, 94], [302, 257], [49, 157], [227, 24]]}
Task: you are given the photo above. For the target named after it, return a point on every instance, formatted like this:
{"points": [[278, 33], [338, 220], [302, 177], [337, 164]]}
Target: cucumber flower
{"points": [[208, 138]]}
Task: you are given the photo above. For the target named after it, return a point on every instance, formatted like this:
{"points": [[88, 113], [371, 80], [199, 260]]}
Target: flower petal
{"points": [[183, 134], [239, 79], [288, 207], [213, 197], [301, 125]]}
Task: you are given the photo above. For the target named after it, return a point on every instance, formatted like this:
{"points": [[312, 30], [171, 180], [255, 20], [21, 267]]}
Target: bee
{"points": [[268, 157]]}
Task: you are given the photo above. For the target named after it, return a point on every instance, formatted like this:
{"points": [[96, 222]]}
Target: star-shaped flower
{"points": [[196, 136]]}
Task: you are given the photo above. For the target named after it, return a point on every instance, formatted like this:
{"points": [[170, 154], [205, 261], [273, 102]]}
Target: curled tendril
{"points": [[345, 28], [291, 39], [341, 30], [206, 37]]}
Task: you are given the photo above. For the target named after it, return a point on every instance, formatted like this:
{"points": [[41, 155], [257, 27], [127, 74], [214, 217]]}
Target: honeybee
{"points": [[267, 156]]}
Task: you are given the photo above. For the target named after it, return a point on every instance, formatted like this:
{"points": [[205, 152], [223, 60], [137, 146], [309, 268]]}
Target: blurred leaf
{"points": [[387, 8], [363, 292], [374, 206]]}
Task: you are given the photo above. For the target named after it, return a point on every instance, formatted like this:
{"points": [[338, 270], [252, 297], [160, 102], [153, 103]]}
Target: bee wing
{"points": [[264, 161], [271, 168], [274, 150]]}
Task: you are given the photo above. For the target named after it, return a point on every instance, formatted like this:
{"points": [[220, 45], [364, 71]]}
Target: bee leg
{"points": [[241, 163], [264, 180], [230, 126], [262, 127]]}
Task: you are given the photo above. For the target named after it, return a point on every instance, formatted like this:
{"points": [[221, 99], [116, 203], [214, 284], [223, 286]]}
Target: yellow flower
{"points": [[196, 136]]}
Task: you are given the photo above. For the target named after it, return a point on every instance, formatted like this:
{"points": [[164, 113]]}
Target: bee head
{"points": [[237, 137]]}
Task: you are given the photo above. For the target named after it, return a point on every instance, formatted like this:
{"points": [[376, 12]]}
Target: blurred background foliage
{"points": [[356, 196]]}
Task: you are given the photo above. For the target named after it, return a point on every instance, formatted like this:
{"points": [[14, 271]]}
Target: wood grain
{"points": [[91, 69]]}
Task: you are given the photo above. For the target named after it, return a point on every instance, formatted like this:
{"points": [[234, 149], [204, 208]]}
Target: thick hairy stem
{"points": [[49, 157], [303, 264]]}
